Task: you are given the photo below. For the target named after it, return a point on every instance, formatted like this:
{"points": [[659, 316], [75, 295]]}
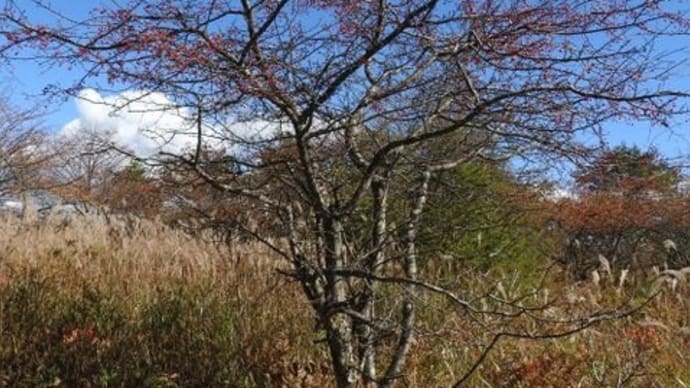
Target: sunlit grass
{"points": [[85, 302]]}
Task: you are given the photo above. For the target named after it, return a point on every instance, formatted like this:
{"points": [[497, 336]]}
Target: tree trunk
{"points": [[408, 320], [365, 332], [339, 327]]}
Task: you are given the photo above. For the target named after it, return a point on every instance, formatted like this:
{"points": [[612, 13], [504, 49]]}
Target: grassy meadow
{"points": [[121, 303]]}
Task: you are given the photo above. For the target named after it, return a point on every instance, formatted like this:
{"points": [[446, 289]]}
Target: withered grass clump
{"points": [[95, 301], [123, 302], [648, 348]]}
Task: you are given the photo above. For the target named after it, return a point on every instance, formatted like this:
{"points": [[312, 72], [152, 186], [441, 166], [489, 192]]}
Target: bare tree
{"points": [[22, 150], [348, 96], [83, 165]]}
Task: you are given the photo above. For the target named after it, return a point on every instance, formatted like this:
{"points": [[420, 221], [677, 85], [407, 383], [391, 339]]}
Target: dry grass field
{"points": [[88, 302]]}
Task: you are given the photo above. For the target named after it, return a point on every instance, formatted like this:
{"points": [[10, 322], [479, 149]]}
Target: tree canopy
{"points": [[626, 169]]}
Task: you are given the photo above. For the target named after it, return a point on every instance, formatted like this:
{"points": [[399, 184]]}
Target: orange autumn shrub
{"points": [[633, 232]]}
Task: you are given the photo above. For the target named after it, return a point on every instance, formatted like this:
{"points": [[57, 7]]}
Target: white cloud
{"points": [[143, 122], [146, 123]]}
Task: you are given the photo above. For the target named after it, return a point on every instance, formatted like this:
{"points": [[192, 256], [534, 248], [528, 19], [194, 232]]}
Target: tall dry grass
{"points": [[118, 301], [97, 301], [110, 247]]}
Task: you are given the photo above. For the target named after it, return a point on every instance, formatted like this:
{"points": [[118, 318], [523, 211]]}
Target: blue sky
{"points": [[25, 81]]}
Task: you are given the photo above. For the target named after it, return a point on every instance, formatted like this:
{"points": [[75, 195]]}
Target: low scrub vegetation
{"points": [[88, 301]]}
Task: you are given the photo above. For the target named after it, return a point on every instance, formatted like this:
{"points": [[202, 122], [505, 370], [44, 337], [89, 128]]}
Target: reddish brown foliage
{"points": [[630, 232]]}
